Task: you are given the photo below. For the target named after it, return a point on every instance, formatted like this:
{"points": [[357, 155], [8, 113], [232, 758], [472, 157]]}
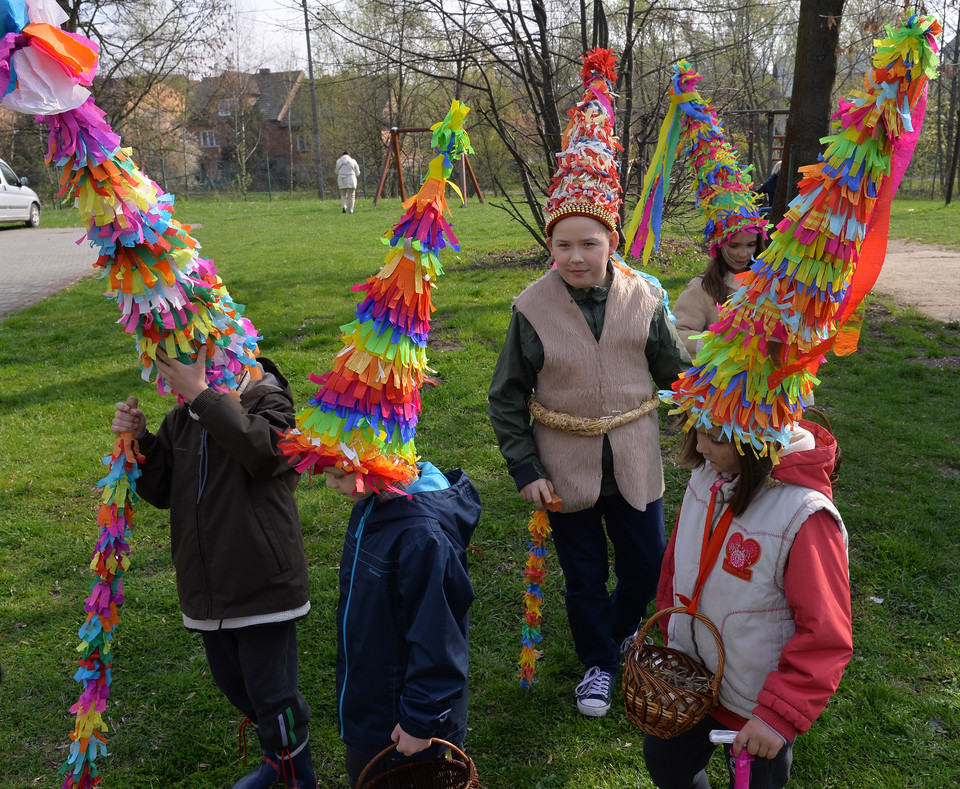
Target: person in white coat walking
{"points": [[347, 171]]}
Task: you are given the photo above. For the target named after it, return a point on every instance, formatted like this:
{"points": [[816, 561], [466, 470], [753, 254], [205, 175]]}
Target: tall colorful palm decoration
{"points": [[364, 417], [168, 296], [758, 362]]}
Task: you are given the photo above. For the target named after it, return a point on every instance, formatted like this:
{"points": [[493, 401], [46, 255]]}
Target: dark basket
{"points": [[654, 700], [442, 773]]}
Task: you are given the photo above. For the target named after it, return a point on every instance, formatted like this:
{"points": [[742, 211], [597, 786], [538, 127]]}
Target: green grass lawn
{"points": [[895, 721]]}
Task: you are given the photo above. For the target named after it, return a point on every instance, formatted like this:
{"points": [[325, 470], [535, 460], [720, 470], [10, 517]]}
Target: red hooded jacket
{"points": [[817, 587]]}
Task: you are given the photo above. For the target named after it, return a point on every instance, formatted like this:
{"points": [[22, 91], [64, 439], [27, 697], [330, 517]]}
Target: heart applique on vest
{"points": [[741, 555]]}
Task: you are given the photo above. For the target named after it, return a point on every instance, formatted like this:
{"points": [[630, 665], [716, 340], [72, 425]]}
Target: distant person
{"points": [[769, 188], [347, 173], [237, 547]]}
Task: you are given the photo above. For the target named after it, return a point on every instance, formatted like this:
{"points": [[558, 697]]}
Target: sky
{"points": [[274, 35]]}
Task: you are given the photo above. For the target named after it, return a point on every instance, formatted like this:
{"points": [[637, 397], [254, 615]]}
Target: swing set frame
{"points": [[393, 151]]}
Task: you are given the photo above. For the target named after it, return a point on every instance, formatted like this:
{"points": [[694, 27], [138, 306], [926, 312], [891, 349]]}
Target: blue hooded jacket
{"points": [[402, 619]]}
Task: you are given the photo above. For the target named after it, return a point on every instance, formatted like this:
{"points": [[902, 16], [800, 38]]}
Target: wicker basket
{"points": [[664, 690], [442, 773]]}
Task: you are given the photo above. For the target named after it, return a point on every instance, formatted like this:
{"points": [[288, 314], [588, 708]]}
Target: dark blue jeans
{"points": [[681, 762], [599, 621]]}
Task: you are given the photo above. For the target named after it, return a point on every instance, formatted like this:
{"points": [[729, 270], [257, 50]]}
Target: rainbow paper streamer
{"points": [[724, 196], [535, 572], [168, 296], [110, 560], [364, 416], [758, 362]]}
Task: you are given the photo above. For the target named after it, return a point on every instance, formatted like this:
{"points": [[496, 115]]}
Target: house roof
{"points": [[277, 90], [271, 92]]}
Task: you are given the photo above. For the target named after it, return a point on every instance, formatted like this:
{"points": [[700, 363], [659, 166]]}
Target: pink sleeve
{"points": [[817, 586], [665, 584]]}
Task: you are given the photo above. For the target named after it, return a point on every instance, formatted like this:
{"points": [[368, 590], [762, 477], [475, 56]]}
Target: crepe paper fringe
{"points": [[535, 572], [586, 172], [758, 362], [692, 129], [110, 560], [168, 296], [741, 770], [364, 416]]}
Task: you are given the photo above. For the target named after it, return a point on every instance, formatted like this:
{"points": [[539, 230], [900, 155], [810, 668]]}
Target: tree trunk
{"points": [[811, 103]]}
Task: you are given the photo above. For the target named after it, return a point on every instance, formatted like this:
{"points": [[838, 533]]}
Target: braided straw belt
{"points": [[588, 425]]}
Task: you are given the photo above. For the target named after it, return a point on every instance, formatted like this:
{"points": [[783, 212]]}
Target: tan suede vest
{"points": [[585, 378]]}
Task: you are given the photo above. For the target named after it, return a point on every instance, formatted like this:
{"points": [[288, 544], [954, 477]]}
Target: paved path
{"points": [[36, 261], [924, 276]]}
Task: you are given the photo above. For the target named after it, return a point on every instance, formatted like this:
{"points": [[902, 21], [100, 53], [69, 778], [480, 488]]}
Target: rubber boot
{"points": [[300, 769], [293, 771], [264, 775]]}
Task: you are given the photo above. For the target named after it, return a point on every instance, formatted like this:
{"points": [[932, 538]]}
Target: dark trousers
{"points": [[256, 668], [680, 763], [357, 760], [599, 621]]}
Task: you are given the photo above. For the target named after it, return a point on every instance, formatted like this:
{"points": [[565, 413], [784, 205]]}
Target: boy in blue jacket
{"points": [[402, 622], [402, 630]]}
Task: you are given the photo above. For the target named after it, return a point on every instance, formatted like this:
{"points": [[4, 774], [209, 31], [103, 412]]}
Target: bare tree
{"points": [[144, 43], [815, 69]]}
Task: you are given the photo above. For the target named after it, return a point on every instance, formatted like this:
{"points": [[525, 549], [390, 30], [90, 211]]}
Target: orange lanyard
{"points": [[710, 550]]}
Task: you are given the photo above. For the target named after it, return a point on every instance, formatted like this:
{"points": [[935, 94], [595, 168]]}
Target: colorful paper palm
{"points": [[364, 417], [758, 362], [693, 130], [168, 296]]}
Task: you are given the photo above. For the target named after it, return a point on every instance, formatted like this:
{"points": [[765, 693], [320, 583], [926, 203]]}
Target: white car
{"points": [[18, 202]]}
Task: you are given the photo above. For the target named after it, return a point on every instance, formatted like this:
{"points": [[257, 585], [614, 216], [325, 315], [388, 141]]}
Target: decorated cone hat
{"points": [[364, 417], [725, 200], [586, 182], [758, 362]]}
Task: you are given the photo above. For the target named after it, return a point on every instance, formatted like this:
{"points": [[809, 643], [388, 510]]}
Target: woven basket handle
{"points": [[393, 746], [679, 609]]}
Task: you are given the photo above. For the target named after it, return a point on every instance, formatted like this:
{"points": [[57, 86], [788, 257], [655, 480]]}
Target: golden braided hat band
{"points": [[588, 425]]}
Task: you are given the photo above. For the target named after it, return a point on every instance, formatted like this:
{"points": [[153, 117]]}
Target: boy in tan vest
{"points": [[587, 341]]}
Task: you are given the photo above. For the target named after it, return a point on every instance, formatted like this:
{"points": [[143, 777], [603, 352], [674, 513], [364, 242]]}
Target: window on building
{"points": [[304, 143], [225, 109], [208, 139]]}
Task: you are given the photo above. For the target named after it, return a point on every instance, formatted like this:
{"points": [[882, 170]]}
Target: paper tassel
{"points": [[109, 561], [535, 573]]}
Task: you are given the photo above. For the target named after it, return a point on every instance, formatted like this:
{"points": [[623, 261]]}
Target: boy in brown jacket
{"points": [[237, 548]]}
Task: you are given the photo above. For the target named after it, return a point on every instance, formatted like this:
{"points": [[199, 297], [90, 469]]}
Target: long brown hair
{"points": [[754, 471], [717, 270]]}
